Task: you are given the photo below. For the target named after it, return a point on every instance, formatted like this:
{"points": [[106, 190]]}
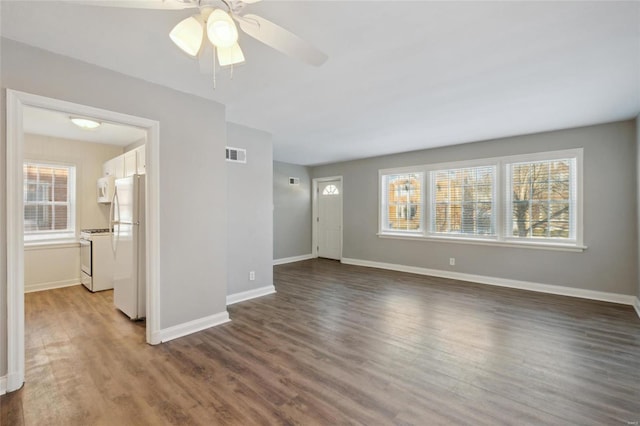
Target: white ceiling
{"points": [[400, 76], [45, 122]]}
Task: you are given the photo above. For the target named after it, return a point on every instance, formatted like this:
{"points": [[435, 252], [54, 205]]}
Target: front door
{"points": [[329, 219]]}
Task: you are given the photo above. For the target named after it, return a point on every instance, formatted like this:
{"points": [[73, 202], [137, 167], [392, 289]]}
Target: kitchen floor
{"points": [[337, 344]]}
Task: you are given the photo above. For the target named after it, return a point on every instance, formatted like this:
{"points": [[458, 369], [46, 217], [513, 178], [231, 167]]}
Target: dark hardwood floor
{"points": [[337, 344]]}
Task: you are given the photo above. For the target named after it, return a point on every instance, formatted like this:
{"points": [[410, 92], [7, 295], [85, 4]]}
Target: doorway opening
{"points": [[17, 104], [327, 201]]}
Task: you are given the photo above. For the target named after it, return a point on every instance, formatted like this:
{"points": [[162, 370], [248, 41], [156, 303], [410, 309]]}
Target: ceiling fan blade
{"points": [[142, 4], [250, 1], [280, 39]]}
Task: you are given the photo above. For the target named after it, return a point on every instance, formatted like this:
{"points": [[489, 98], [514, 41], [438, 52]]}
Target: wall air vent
{"points": [[294, 181], [236, 155]]}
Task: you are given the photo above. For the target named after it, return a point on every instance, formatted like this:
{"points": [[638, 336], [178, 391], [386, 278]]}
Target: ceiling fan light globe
{"points": [[230, 55], [187, 35], [221, 29]]}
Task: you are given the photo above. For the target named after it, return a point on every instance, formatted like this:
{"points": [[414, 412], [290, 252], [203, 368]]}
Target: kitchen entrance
{"points": [[42, 206]]}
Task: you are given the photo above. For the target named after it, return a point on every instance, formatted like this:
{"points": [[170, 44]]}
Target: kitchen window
{"points": [[531, 200], [49, 201]]}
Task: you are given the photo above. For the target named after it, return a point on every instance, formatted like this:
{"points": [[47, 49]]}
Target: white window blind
{"points": [[49, 210], [403, 204], [462, 201], [542, 199]]}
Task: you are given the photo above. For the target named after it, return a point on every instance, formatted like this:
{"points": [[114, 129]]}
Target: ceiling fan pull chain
{"points": [[231, 72]]}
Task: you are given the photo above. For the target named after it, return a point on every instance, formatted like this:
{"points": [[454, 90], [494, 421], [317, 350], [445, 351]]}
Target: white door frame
{"points": [[15, 239], [314, 212]]}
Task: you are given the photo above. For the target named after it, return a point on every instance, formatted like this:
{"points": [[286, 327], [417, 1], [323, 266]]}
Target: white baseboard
{"points": [[31, 288], [3, 385], [501, 282], [191, 327], [250, 294], [292, 259], [636, 305]]}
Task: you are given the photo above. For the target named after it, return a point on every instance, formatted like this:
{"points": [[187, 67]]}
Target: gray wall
{"points": [[638, 193], [610, 222], [250, 205], [193, 236], [292, 211]]}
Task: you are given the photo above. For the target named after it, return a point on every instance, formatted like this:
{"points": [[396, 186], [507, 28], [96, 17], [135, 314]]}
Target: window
{"points": [[531, 199], [402, 202], [462, 201], [49, 195], [542, 199], [331, 190]]}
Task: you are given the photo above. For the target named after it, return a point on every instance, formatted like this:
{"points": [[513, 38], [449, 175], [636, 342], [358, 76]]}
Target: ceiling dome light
{"points": [[187, 35], [221, 29], [230, 55], [85, 123]]}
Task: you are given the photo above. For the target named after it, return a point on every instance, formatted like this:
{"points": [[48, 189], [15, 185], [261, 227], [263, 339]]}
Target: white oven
{"points": [[96, 259], [85, 256], [85, 262]]}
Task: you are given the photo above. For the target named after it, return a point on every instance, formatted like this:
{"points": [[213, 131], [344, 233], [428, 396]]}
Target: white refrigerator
{"points": [[128, 246]]}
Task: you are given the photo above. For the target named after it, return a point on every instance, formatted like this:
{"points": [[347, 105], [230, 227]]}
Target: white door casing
{"points": [[328, 219], [15, 243]]}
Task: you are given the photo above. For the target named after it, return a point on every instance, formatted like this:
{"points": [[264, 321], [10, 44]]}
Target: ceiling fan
{"points": [[213, 31]]}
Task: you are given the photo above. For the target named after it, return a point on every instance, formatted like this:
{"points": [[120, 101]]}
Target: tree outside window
{"points": [[541, 199]]}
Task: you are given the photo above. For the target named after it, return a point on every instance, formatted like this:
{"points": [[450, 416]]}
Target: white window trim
{"points": [[502, 238], [52, 236]]}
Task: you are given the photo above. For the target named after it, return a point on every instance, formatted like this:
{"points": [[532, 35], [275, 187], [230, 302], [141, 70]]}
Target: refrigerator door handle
{"points": [[114, 204]]}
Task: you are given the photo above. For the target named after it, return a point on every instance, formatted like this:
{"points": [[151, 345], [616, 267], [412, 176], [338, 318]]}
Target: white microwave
{"points": [[106, 186]]}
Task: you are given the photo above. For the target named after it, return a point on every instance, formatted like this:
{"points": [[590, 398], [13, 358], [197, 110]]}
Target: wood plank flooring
{"points": [[337, 344]]}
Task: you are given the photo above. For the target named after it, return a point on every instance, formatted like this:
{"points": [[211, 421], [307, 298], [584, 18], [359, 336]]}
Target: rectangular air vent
{"points": [[294, 181], [236, 155]]}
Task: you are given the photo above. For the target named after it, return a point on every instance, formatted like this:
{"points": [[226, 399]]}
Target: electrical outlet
{"points": [[252, 275], [452, 261]]}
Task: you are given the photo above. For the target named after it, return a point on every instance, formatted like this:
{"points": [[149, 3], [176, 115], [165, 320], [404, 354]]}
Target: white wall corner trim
{"points": [[32, 288], [3, 385], [250, 294], [191, 327], [292, 259], [636, 305], [500, 282]]}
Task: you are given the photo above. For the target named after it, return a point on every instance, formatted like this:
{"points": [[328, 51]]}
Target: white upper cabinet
{"points": [[130, 163], [141, 160], [114, 167]]}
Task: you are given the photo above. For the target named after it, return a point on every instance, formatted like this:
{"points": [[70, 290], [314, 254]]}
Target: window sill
{"points": [[485, 242], [50, 244]]}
